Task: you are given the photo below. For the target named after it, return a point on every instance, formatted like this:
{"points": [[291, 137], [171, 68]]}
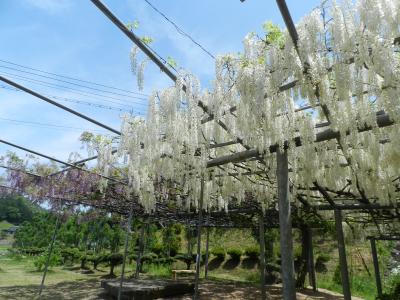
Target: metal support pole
{"points": [[207, 245], [342, 256], [376, 267], [140, 252], [262, 257], [198, 256], [49, 255], [310, 260], [285, 226], [127, 235]]}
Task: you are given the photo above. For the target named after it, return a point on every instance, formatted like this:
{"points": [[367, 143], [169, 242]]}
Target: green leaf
{"points": [[132, 25], [273, 34], [147, 40], [172, 62]]}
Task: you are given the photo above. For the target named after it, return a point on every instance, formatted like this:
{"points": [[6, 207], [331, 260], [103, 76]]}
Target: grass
{"points": [[5, 225]]}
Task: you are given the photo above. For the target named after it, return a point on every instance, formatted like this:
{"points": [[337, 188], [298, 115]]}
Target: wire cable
{"points": [[75, 91], [101, 106], [47, 125], [71, 78], [72, 83], [179, 30]]}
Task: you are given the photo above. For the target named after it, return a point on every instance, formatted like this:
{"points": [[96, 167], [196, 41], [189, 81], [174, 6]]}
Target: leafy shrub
{"points": [[114, 259], [70, 254], [235, 254], [95, 259], [337, 277], [252, 252], [188, 259], [393, 292], [164, 260], [149, 257], [132, 257], [320, 263], [40, 261], [158, 249], [33, 251], [219, 252]]}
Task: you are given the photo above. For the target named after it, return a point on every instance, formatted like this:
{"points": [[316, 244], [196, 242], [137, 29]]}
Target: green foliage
{"points": [[40, 261], [16, 209], [320, 263], [33, 251], [132, 25], [235, 253], [219, 252], [158, 270], [188, 259], [147, 40], [5, 225], [37, 232], [114, 259], [337, 277], [252, 252], [172, 62], [149, 257], [392, 291], [171, 239], [273, 34]]}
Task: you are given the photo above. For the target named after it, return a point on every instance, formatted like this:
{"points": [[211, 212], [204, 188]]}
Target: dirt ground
{"points": [[90, 290]]}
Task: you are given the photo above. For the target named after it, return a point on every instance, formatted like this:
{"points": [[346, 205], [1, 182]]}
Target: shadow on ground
{"points": [[80, 289], [231, 264], [249, 263], [90, 290], [215, 263]]}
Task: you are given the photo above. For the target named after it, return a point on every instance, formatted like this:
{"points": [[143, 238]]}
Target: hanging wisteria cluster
{"points": [[342, 78], [346, 69]]}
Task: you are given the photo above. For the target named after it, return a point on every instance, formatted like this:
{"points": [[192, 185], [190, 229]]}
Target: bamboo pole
{"points": [[49, 255], [127, 235]]}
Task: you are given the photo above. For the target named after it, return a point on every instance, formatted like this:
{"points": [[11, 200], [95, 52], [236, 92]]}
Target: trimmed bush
{"points": [[114, 260], [320, 263], [188, 259], [252, 252], [40, 261], [95, 259], [235, 254], [149, 257], [219, 253]]}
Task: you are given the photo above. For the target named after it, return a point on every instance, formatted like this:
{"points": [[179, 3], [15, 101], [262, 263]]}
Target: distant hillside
{"points": [[16, 209]]}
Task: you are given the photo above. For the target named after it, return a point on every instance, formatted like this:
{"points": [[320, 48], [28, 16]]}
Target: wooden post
{"points": [[262, 256], [285, 226], [207, 244], [376, 267], [140, 252], [198, 256], [342, 256], [128, 233], [310, 260], [49, 255]]}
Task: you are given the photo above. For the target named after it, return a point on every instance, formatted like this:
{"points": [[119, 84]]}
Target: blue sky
{"points": [[73, 38]]}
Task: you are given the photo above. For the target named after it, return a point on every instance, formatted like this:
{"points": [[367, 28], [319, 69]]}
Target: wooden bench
{"points": [[176, 272]]}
